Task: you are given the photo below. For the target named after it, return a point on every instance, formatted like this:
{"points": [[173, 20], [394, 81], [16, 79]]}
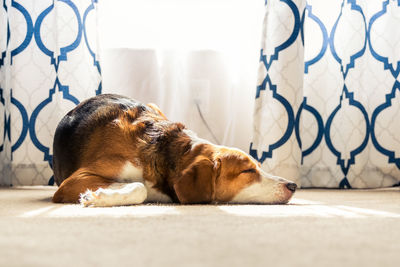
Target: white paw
{"points": [[88, 198], [117, 194]]}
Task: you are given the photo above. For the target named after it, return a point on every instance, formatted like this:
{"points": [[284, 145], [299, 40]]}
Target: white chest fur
{"points": [[153, 195], [131, 173]]}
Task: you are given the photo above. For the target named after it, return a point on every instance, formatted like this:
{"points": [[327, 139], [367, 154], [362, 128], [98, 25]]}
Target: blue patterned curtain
{"points": [[328, 102], [48, 64]]}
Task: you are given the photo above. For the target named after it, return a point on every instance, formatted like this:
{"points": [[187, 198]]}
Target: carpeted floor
{"points": [[318, 228]]}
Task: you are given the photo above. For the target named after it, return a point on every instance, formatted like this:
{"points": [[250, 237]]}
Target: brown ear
{"points": [[197, 183]]}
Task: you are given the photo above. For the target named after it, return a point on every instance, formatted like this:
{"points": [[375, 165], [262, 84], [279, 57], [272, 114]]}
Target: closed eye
{"points": [[249, 171]]}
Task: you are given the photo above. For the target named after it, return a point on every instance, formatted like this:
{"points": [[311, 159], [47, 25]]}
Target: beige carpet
{"points": [[318, 228]]}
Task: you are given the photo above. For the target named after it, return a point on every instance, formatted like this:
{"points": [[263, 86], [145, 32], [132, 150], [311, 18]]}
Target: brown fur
{"points": [[80, 181], [232, 179]]}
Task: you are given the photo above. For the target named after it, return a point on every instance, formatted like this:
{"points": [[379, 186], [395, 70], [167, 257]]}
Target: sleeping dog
{"points": [[111, 150]]}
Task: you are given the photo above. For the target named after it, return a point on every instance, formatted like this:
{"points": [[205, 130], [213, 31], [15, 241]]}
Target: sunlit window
{"points": [[182, 24]]}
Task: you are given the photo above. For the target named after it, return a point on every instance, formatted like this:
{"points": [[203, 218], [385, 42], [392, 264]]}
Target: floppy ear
{"points": [[197, 183]]}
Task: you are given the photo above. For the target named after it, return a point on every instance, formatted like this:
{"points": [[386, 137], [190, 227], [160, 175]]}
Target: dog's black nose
{"points": [[291, 186]]}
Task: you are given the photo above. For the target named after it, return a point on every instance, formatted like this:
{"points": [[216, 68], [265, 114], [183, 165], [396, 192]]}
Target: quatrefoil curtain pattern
{"points": [[48, 64], [327, 110]]}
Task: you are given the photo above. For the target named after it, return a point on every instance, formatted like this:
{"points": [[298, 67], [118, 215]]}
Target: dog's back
{"points": [[76, 127]]}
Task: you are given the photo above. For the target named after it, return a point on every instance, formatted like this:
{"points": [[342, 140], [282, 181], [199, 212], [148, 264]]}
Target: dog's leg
{"points": [[81, 180], [94, 190], [117, 194]]}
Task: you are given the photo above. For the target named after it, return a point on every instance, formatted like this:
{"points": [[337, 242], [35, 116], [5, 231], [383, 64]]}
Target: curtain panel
{"points": [[327, 104], [48, 64]]}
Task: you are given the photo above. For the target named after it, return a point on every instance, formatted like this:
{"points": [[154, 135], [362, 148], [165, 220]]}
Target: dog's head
{"points": [[215, 174]]}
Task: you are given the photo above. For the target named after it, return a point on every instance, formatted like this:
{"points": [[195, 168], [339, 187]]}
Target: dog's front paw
{"points": [[88, 198]]}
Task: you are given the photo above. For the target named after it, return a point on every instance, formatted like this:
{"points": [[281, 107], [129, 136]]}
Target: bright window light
{"points": [[181, 24]]}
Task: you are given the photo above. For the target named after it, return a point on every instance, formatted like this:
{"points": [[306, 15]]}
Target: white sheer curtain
{"points": [[186, 55]]}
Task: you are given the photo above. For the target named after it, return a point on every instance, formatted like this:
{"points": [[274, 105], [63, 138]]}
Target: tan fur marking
{"points": [[156, 109]]}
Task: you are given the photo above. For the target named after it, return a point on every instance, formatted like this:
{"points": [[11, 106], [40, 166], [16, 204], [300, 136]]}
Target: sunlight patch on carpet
{"points": [[306, 208], [78, 211]]}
